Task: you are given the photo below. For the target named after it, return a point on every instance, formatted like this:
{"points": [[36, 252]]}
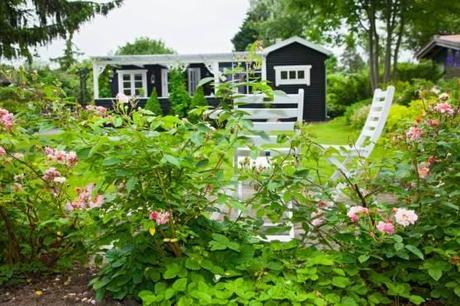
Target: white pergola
{"points": [[211, 61]]}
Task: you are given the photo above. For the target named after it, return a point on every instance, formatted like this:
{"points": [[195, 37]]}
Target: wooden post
{"points": [[96, 81], [216, 72]]}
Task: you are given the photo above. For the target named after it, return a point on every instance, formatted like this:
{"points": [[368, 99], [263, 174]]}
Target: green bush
{"points": [[179, 98], [344, 90], [350, 110], [153, 104], [426, 70], [359, 116]]}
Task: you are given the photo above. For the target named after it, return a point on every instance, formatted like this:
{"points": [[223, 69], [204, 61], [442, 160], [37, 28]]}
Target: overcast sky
{"points": [[187, 26]]}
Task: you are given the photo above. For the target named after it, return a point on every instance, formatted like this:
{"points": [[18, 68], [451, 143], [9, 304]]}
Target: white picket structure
{"points": [[272, 116], [369, 135]]}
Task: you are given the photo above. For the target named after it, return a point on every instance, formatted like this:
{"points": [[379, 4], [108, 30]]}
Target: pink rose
{"points": [[2, 151], [317, 218], [85, 199], [53, 175], [122, 98], [62, 157], [405, 217], [160, 217], [386, 227], [98, 110], [6, 119], [423, 170], [444, 108], [414, 133], [355, 211], [433, 122]]}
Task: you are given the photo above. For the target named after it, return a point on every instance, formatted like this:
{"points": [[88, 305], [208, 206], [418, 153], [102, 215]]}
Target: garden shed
{"points": [[288, 65]]}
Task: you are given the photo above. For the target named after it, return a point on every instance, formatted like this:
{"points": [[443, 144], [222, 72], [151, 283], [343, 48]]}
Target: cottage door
{"points": [[194, 76]]}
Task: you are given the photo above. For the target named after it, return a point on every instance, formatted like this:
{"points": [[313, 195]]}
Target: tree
{"points": [[381, 26], [144, 45], [269, 20], [351, 61], [70, 54], [25, 24], [246, 35], [179, 99], [153, 104]]}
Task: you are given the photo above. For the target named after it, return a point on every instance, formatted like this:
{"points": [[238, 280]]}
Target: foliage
{"points": [[359, 116], [426, 70], [70, 55], [153, 104], [343, 90], [144, 45], [42, 22], [245, 36], [179, 98], [36, 189], [350, 110]]}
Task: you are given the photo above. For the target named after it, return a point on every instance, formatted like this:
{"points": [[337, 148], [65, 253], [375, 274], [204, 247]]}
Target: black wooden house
{"points": [[288, 66]]}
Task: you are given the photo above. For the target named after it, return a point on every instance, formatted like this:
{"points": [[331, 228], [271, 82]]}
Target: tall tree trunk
{"points": [[398, 45], [373, 48], [389, 29]]}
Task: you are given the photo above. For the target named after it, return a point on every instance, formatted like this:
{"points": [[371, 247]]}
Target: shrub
{"points": [[350, 110], [179, 98], [359, 116], [426, 70], [343, 90], [153, 104]]}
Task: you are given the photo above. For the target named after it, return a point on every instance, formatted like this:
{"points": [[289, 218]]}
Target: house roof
{"points": [[169, 59], [174, 59], [443, 41], [296, 39]]}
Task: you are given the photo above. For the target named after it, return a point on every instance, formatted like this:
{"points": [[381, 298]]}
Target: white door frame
{"points": [[194, 77]]}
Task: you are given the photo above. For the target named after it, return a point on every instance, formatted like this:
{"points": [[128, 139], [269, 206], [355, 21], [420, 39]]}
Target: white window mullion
{"points": [[292, 75]]}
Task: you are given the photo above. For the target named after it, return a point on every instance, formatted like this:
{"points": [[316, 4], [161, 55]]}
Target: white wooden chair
{"points": [[273, 117], [369, 136]]}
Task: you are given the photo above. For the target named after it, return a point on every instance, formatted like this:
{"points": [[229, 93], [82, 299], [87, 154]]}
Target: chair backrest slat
{"points": [[256, 108], [270, 113], [376, 119], [273, 126]]}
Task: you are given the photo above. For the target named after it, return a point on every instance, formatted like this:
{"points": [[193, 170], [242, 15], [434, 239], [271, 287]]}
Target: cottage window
{"points": [[292, 75], [133, 82]]}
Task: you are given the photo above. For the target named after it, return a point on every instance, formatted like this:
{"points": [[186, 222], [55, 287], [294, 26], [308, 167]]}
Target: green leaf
{"points": [[148, 297], [172, 270], [111, 161], [341, 282], [416, 299], [131, 183], [171, 159], [192, 264], [363, 258], [117, 122], [415, 251], [180, 284]]}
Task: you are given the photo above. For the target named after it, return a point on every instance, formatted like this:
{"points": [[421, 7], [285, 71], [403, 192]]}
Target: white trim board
{"points": [[296, 39]]}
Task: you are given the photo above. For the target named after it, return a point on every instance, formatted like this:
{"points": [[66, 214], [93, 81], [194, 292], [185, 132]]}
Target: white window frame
{"points": [[131, 73], [164, 83], [302, 81]]}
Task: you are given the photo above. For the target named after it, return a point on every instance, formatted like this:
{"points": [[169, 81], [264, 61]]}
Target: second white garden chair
{"points": [[275, 118], [370, 134]]}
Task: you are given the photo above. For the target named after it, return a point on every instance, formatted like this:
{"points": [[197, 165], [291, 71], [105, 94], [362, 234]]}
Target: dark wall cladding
{"points": [[315, 94], [292, 54]]}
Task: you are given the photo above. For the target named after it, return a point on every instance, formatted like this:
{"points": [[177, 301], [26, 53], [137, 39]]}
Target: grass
{"points": [[336, 131]]}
